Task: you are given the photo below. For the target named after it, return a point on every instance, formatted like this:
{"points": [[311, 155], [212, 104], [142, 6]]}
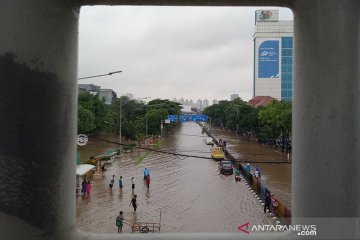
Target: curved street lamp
{"points": [[101, 75]]}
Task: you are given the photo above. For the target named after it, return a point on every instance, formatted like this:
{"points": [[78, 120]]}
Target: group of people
{"points": [[271, 203], [120, 218], [222, 143], [85, 187], [257, 172]]}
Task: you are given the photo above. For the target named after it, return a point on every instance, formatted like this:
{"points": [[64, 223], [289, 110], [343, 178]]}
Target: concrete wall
{"points": [[38, 59]]}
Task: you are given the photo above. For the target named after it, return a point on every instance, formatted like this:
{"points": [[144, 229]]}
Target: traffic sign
{"points": [[199, 118], [173, 118], [184, 118], [82, 140]]}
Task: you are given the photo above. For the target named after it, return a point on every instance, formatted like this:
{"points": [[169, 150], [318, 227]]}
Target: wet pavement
{"points": [[189, 191]]}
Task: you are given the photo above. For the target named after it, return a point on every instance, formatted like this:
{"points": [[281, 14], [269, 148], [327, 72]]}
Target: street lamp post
{"points": [[100, 75]]}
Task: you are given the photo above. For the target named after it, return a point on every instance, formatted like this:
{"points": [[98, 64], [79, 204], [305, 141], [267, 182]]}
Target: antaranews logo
{"points": [[301, 230]]}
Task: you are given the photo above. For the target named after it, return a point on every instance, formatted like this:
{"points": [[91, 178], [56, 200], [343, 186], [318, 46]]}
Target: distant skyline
{"points": [[170, 52]]}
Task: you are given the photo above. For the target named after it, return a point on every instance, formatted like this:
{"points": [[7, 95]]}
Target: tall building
{"points": [[273, 56], [205, 103], [130, 96], [214, 102], [233, 97], [108, 94], [199, 105]]}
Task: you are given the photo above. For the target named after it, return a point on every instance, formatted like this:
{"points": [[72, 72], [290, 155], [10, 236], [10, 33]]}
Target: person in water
{"points": [[146, 173], [120, 221], [247, 167], [133, 202], [111, 184], [120, 183]]}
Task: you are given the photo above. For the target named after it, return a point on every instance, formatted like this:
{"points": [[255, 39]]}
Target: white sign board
{"points": [[82, 140]]}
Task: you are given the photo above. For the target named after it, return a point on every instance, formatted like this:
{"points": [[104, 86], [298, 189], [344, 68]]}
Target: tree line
{"points": [[94, 116], [270, 122]]}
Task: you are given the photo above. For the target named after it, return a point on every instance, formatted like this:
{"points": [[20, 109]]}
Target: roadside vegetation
{"points": [[270, 122], [95, 117]]}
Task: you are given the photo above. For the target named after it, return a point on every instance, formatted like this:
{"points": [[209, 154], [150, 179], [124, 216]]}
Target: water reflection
{"points": [[189, 192]]}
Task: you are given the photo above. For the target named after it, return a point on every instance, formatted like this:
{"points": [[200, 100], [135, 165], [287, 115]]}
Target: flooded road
{"points": [[189, 192], [276, 176]]}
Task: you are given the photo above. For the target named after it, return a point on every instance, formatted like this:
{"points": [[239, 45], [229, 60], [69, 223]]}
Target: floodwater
{"points": [[188, 191], [276, 176]]}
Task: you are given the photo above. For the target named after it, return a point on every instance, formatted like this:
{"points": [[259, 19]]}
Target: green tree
{"points": [[86, 121], [275, 119]]}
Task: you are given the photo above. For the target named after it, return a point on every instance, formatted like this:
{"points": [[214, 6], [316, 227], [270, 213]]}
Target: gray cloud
{"points": [[169, 52]]}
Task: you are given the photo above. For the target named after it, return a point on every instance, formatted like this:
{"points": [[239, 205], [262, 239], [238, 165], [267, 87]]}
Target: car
{"points": [[217, 153], [225, 167], [209, 141]]}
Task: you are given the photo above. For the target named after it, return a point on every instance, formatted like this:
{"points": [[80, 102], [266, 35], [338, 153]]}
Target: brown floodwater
{"points": [[275, 176], [189, 192]]}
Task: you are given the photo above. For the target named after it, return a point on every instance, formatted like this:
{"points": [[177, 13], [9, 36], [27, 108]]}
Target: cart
{"points": [[144, 227]]}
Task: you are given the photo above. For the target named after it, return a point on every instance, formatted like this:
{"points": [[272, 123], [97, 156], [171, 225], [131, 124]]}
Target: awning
{"points": [[82, 169]]}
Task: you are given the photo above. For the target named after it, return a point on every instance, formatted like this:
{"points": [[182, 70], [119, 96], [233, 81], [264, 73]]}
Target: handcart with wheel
{"points": [[144, 227]]}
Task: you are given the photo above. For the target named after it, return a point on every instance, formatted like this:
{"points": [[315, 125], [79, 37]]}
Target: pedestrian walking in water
{"points": [[274, 204], [257, 173], [247, 167], [146, 173], [83, 187], [120, 221], [88, 188], [120, 183], [133, 202], [147, 181], [133, 183], [111, 183], [267, 202]]}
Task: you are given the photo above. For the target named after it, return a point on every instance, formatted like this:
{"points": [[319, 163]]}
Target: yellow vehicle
{"points": [[217, 153]]}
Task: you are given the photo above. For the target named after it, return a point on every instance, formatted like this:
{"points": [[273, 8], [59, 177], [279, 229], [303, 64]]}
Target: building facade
{"points": [[233, 96], [94, 89], [273, 56], [108, 94]]}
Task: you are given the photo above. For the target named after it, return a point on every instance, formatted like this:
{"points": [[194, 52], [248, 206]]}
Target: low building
{"points": [[260, 101]]}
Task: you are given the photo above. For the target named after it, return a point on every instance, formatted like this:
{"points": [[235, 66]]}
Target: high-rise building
{"points": [[233, 96], [214, 102], [130, 96], [199, 104], [205, 103], [273, 56], [108, 94]]}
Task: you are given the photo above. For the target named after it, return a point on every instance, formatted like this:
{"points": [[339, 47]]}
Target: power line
{"points": [[201, 157]]}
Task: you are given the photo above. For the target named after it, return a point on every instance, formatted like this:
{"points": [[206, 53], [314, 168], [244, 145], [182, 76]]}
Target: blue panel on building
{"points": [[269, 59]]}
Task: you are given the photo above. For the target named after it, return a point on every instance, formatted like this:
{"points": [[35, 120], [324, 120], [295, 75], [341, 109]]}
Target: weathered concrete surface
{"points": [[38, 114]]}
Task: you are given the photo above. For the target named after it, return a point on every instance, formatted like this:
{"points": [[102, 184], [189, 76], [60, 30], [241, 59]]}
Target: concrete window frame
{"points": [[38, 69]]}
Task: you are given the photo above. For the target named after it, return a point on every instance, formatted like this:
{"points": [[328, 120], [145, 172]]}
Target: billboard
{"points": [[267, 15], [268, 57]]}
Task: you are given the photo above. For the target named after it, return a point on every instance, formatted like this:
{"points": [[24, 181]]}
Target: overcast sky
{"points": [[167, 52]]}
